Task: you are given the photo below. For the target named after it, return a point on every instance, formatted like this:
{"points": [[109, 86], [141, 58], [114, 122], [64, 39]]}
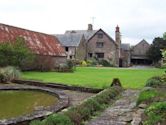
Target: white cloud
{"points": [[137, 19]]}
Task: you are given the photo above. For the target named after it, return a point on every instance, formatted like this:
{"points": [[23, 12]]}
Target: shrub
{"points": [[68, 67], [36, 122], [116, 82], [89, 107], [147, 96], [156, 113], [8, 74], [154, 82], [73, 114], [57, 119], [85, 110], [83, 63], [105, 63], [13, 53]]}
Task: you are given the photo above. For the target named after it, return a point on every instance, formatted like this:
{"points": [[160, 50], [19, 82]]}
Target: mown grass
{"points": [[16, 103], [97, 77]]}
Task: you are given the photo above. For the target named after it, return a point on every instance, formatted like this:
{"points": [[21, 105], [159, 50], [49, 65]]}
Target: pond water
{"points": [[14, 103]]}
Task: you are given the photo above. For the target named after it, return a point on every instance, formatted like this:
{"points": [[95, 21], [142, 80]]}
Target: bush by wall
{"points": [[155, 81], [156, 113], [8, 74], [77, 114], [70, 66]]}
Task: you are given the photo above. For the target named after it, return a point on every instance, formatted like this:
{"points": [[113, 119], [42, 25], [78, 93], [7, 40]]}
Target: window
{"points": [[100, 35], [71, 57], [99, 44], [67, 49], [90, 55], [100, 55]]}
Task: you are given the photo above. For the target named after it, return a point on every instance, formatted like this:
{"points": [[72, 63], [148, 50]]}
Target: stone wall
{"points": [[57, 85]]}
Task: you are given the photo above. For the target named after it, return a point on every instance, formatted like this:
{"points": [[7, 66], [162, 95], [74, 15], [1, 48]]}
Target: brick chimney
{"points": [[90, 27]]}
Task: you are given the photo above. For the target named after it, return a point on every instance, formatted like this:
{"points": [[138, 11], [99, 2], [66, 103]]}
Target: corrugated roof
{"points": [[39, 43], [87, 33], [125, 46], [70, 39]]}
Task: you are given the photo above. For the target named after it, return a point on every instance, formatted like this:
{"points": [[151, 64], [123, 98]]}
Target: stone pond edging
{"points": [[63, 103], [56, 85]]}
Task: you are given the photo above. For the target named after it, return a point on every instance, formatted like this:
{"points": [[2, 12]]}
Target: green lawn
{"points": [[17, 103], [97, 77]]}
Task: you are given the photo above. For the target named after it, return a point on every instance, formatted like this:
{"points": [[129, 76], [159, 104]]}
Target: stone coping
{"points": [[56, 85], [63, 103]]}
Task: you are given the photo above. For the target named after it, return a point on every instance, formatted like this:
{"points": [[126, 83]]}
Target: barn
{"points": [[48, 50]]}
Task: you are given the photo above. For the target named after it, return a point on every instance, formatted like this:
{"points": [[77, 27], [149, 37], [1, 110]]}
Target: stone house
{"points": [[138, 53], [101, 46], [74, 45], [96, 44], [47, 48]]}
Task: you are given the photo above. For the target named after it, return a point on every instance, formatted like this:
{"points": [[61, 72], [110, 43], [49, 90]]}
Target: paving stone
{"points": [[121, 112]]}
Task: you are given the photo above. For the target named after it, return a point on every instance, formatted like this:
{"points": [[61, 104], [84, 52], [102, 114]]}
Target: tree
{"points": [[164, 36], [13, 53], [154, 53]]}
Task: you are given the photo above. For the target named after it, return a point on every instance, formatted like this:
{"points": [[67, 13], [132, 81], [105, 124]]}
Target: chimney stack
{"points": [[90, 27], [117, 35], [118, 40]]}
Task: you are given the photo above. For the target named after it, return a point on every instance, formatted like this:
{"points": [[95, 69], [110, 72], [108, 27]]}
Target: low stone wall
{"points": [[24, 120], [56, 85]]}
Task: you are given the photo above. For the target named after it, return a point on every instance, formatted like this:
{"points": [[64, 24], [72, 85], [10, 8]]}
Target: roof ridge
{"points": [[25, 29]]}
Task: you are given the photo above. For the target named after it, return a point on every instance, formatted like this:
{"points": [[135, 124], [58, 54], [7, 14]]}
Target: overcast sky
{"points": [[138, 19]]}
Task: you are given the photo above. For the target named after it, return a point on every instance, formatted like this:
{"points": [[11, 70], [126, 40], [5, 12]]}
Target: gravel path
{"points": [[121, 112]]}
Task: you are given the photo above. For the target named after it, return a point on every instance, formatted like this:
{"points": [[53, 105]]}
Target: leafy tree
{"points": [[13, 53], [154, 53], [164, 36]]}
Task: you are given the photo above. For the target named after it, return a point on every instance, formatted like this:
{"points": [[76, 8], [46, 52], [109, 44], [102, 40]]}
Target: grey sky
{"points": [[138, 19]]}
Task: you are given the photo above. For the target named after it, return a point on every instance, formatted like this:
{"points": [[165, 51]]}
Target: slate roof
{"points": [[143, 41], [87, 33], [70, 39], [39, 43], [125, 46]]}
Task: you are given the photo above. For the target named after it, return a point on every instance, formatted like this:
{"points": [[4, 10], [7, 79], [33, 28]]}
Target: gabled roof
{"points": [[70, 39], [39, 43], [87, 33], [125, 46], [104, 33], [142, 42]]}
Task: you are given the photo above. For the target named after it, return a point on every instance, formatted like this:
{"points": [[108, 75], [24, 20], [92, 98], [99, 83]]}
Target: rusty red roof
{"points": [[39, 43]]}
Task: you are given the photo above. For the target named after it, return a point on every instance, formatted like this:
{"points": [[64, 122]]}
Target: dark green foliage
{"points": [[156, 113], [89, 107], [75, 117], [147, 96], [68, 67], [154, 82], [14, 53], [154, 52], [116, 82], [105, 63], [36, 122], [57, 119], [164, 36]]}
